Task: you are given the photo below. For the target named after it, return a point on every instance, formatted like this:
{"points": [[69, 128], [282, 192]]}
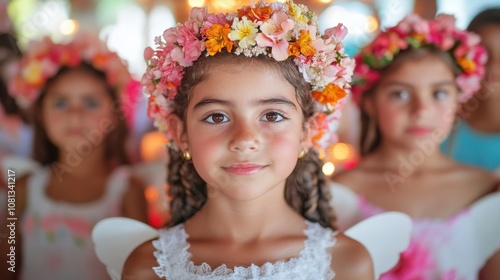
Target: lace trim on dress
{"points": [[313, 262]]}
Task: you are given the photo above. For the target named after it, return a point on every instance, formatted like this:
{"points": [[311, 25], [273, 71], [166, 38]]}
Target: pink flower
{"points": [[79, 227], [274, 33], [148, 53], [49, 223], [339, 31], [198, 14], [29, 224], [414, 264]]}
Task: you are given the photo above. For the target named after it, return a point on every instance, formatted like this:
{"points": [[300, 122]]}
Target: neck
{"points": [[82, 165], [425, 156], [246, 221]]}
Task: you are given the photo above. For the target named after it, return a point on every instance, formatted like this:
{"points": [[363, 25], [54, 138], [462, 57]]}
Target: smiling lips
{"points": [[244, 168], [419, 131]]}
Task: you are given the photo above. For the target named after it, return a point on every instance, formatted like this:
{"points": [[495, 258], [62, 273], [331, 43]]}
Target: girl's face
{"points": [[414, 104], [77, 111], [244, 131]]}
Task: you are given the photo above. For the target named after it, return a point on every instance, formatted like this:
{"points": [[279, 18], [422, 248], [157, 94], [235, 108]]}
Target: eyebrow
{"points": [[260, 102]]}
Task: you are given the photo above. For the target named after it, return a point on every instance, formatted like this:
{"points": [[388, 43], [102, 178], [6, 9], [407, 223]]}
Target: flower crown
{"points": [[44, 58], [278, 30], [415, 32]]}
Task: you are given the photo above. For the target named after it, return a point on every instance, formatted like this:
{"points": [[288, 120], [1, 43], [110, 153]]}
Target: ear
{"points": [[307, 131], [176, 129]]}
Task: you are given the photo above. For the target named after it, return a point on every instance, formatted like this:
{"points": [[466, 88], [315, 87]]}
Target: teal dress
{"points": [[472, 147]]}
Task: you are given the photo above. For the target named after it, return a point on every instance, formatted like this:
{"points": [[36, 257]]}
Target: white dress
{"points": [[313, 262], [56, 235]]}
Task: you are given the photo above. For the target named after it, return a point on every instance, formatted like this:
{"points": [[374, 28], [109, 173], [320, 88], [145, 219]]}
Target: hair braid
{"points": [[307, 193], [187, 189]]}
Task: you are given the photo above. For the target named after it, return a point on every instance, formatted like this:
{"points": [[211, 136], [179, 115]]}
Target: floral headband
{"points": [[415, 32], [44, 58], [278, 30]]}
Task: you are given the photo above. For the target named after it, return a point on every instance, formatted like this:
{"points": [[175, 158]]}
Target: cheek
{"points": [[390, 119]]}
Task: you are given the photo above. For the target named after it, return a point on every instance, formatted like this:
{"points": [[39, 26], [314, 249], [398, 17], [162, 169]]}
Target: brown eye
{"points": [[216, 118], [272, 117]]}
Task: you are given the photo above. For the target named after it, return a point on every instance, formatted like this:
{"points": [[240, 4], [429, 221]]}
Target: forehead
{"points": [[78, 83], [427, 69], [244, 80]]}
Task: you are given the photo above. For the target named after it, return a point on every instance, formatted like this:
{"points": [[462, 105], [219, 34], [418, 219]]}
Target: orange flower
{"points": [[294, 49], [100, 60], [217, 39], [330, 95], [256, 14], [304, 43], [467, 65]]}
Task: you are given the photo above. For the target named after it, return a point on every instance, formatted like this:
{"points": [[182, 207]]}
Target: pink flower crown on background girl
{"points": [[43, 59], [415, 32], [278, 30]]}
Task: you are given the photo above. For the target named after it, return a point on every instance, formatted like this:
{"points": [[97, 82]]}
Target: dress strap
{"points": [[117, 184]]}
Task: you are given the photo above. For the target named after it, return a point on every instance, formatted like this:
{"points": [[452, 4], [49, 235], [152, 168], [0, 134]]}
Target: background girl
{"points": [[244, 96], [479, 124], [79, 138], [409, 82]]}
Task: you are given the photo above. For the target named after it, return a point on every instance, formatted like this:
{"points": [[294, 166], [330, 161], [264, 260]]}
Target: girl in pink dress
{"points": [[409, 83]]}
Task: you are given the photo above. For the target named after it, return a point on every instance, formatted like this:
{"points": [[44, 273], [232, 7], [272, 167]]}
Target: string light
{"points": [[196, 3], [328, 168], [69, 27]]}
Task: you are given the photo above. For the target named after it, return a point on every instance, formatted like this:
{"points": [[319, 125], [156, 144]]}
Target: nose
{"points": [[245, 137], [75, 113], [420, 107]]}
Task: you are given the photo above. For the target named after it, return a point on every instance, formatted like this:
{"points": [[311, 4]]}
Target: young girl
{"points": [[479, 124], [409, 82], [244, 96], [80, 138]]}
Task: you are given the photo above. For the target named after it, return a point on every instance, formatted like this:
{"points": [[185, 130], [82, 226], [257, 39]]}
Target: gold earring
{"points": [[302, 153], [186, 155]]}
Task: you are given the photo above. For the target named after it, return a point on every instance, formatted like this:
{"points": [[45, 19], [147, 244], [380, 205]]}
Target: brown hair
{"points": [[371, 138], [305, 189], [486, 17], [45, 152]]}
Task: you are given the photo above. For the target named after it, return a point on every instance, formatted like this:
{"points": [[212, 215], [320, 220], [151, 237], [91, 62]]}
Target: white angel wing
{"points": [[385, 236], [20, 165], [486, 225], [345, 203], [112, 250]]}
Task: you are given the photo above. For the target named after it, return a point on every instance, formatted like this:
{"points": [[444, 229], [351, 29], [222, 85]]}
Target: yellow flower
{"points": [[217, 39], [33, 73], [330, 95], [467, 65], [296, 12], [244, 31]]}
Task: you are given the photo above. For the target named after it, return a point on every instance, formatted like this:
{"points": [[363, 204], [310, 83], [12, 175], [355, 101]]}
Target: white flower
{"points": [[243, 31]]}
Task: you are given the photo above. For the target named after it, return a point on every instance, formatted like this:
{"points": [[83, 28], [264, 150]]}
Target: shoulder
{"points": [[134, 203], [480, 181], [350, 259], [140, 263]]}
